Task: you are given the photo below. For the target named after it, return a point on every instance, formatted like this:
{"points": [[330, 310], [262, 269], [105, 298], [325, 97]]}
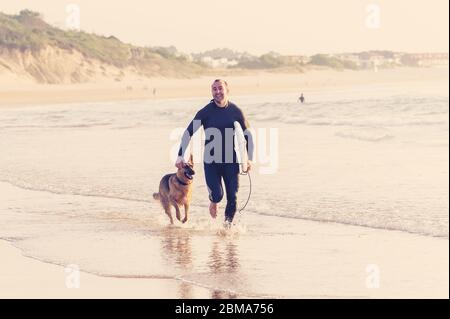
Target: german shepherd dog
{"points": [[175, 190]]}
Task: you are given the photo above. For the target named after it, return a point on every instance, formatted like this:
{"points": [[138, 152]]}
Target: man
{"points": [[220, 160], [301, 98]]}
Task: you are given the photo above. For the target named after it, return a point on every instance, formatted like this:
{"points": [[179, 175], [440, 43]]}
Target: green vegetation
{"points": [[28, 32], [17, 32], [269, 61], [277, 61], [332, 62]]}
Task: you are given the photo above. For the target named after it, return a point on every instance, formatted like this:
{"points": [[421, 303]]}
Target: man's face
{"points": [[219, 92]]}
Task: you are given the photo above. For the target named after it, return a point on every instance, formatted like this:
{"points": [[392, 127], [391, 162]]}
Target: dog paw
{"points": [[184, 220]]}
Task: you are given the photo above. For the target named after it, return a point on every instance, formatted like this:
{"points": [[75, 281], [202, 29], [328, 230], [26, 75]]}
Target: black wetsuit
{"points": [[220, 162]]}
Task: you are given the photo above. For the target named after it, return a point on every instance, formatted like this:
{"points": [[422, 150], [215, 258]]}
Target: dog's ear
{"points": [[191, 161]]}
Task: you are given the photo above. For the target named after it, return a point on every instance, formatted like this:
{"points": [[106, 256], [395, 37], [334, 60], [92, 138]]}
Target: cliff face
{"points": [[48, 65], [52, 65]]}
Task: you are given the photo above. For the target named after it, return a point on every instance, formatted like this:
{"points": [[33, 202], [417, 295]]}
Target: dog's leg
{"points": [[186, 211], [177, 208], [167, 209]]}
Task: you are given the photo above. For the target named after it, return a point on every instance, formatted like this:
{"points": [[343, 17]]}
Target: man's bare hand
{"points": [[249, 166], [180, 162]]}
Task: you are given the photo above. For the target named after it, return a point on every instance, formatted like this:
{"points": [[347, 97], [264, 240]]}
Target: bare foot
{"points": [[213, 209]]}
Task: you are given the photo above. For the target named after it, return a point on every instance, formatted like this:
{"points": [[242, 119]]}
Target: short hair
{"points": [[221, 81]]}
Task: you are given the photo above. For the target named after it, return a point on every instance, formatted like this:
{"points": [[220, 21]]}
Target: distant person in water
{"points": [[301, 98]]}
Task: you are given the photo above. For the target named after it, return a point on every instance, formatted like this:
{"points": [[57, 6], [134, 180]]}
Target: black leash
{"points": [[250, 191]]}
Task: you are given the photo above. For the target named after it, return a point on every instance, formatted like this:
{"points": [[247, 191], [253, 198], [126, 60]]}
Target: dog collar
{"points": [[180, 181]]}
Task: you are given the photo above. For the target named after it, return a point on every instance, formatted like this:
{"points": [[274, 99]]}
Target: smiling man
{"points": [[220, 160]]}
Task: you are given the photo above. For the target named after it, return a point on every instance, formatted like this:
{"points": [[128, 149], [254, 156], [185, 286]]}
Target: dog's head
{"points": [[186, 173]]}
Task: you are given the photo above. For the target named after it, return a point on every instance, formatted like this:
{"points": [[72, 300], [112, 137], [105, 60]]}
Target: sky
{"points": [[257, 26]]}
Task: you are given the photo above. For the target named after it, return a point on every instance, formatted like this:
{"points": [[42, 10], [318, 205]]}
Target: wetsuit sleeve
{"points": [[190, 130], [247, 133]]}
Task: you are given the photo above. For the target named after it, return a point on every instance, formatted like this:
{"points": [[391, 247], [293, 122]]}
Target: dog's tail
{"points": [[156, 196]]}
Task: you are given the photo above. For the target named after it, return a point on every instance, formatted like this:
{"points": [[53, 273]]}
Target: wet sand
{"points": [[305, 260]]}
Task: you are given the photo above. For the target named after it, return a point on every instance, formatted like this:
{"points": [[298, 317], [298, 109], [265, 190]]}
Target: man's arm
{"points": [[247, 133], [190, 130]]}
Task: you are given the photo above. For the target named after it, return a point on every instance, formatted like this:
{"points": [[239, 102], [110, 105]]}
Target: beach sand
{"points": [[90, 208], [15, 91], [23, 277]]}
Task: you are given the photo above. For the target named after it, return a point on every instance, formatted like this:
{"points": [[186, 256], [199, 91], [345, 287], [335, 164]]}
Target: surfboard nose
{"points": [[240, 147]]}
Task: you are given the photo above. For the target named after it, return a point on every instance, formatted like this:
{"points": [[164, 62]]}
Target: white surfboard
{"points": [[240, 147]]}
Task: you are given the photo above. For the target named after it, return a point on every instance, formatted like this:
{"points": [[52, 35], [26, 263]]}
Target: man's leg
{"points": [[214, 183], [231, 180]]}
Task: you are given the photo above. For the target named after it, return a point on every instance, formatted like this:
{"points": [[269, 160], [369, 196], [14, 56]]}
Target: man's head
{"points": [[219, 90]]}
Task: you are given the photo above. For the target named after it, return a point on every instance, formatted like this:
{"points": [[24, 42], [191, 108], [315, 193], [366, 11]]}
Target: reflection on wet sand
{"points": [[224, 258], [222, 261], [177, 250]]}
